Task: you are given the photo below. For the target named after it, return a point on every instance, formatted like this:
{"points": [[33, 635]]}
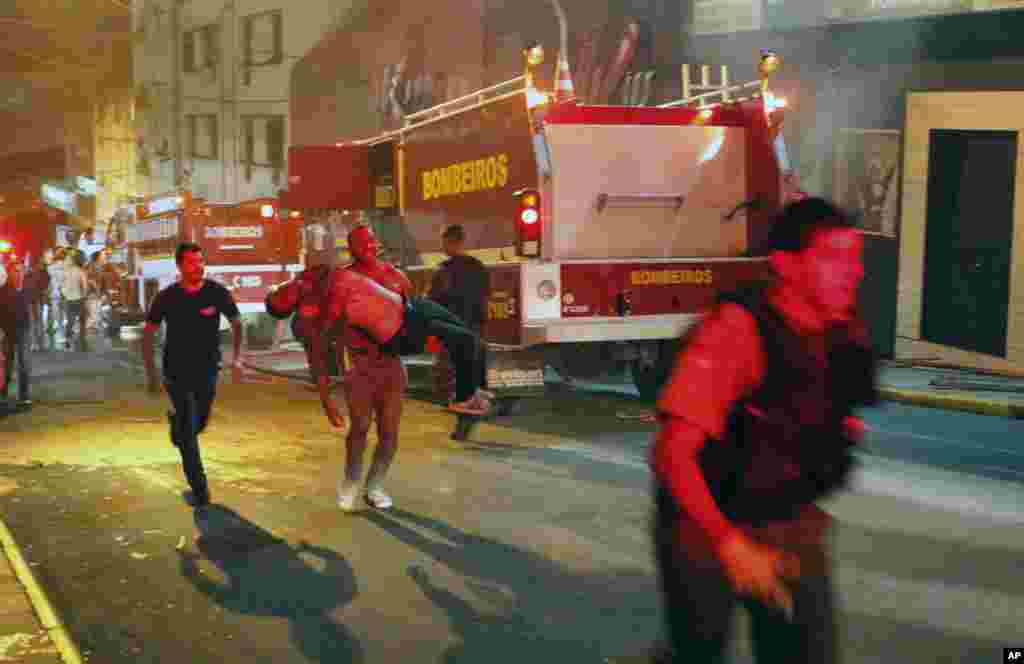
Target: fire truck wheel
{"points": [[584, 361]]}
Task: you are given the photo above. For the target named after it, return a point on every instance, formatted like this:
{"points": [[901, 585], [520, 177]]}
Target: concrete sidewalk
{"points": [[30, 630], [953, 389]]}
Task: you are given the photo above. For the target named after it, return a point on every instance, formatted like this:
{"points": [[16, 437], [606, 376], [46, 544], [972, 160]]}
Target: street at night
{"points": [[673, 331], [530, 541]]}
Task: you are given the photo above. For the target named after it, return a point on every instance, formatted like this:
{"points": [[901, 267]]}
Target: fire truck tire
{"points": [[584, 361]]}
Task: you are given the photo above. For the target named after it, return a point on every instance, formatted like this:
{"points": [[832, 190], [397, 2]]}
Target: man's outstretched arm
{"points": [[318, 346]]}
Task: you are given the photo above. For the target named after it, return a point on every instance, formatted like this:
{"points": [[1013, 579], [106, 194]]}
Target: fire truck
{"points": [[607, 230], [249, 247], [28, 227]]}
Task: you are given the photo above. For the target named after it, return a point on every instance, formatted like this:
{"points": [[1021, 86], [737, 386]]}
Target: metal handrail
{"points": [[478, 95], [720, 91], [603, 199], [397, 133]]}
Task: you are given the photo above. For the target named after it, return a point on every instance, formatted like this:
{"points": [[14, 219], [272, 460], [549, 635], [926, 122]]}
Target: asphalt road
{"points": [[528, 543]]}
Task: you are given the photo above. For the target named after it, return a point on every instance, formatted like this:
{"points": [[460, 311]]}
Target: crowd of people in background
{"points": [[51, 304]]}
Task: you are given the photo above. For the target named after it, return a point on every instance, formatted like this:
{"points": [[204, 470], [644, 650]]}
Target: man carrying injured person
{"points": [[397, 325]]}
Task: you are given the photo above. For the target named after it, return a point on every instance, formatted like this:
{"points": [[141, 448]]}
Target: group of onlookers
{"points": [[59, 295]]}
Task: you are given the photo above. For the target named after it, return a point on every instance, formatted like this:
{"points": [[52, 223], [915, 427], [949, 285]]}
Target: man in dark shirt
{"points": [[756, 414], [37, 283], [192, 308], [461, 285], [15, 323]]}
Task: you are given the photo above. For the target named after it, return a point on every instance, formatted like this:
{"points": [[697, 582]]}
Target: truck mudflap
{"points": [[511, 373], [515, 372]]}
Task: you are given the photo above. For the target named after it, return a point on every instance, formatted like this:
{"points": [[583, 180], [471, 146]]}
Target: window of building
{"points": [[202, 136], [262, 38], [264, 139], [201, 46]]}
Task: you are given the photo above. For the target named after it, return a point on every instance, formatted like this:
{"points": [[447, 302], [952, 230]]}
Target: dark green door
{"points": [[968, 238]]}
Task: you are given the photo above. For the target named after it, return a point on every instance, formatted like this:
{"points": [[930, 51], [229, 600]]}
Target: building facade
{"points": [[907, 112], [211, 79]]}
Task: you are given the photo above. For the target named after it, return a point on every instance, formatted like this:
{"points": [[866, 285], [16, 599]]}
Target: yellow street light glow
{"points": [[770, 62], [5, 246], [535, 55]]}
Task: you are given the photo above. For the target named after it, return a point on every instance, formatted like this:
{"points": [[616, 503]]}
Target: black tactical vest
{"points": [[785, 446]]}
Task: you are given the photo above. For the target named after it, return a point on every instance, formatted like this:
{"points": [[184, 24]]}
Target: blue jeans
{"points": [[192, 398], [16, 349], [426, 318], [77, 317]]}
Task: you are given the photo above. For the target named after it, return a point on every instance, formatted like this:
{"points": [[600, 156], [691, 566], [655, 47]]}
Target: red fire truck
{"points": [[607, 230], [249, 246]]}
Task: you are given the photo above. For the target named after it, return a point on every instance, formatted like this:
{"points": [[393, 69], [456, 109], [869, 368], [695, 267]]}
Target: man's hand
{"points": [[757, 571], [236, 371], [331, 410]]}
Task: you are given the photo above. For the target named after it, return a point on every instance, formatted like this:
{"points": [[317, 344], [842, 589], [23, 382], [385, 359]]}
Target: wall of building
{"points": [[957, 110], [115, 169], [387, 59], [200, 94]]}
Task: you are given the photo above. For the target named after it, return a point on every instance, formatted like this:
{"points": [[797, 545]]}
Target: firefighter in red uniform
{"points": [[381, 321], [370, 307], [757, 422], [374, 384]]}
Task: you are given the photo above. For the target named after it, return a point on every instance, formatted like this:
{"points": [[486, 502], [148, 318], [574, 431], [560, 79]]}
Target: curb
{"points": [[953, 402], [40, 603]]}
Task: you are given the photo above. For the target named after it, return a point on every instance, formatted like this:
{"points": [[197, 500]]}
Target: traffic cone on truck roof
{"points": [[563, 81]]}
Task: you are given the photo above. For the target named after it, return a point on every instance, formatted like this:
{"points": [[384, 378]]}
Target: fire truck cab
{"points": [[607, 230], [249, 247]]}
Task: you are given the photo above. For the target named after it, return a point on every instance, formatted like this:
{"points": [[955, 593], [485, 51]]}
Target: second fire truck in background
{"points": [[249, 247]]}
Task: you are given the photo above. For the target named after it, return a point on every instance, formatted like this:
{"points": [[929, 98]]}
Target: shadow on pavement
{"points": [[266, 576], [513, 605]]}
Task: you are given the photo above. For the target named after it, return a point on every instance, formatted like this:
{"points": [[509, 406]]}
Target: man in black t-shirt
{"points": [[461, 285], [192, 308], [15, 322]]}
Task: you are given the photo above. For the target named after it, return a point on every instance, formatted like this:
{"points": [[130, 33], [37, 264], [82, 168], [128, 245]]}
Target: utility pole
{"points": [[563, 30], [176, 101]]}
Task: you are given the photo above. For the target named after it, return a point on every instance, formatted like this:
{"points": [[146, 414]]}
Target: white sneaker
{"points": [[348, 495], [377, 498]]}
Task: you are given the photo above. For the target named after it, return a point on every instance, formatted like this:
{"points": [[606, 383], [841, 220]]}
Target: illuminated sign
{"points": [[670, 277], [266, 211], [233, 232], [162, 205], [59, 198], [85, 186], [158, 229], [464, 177]]}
